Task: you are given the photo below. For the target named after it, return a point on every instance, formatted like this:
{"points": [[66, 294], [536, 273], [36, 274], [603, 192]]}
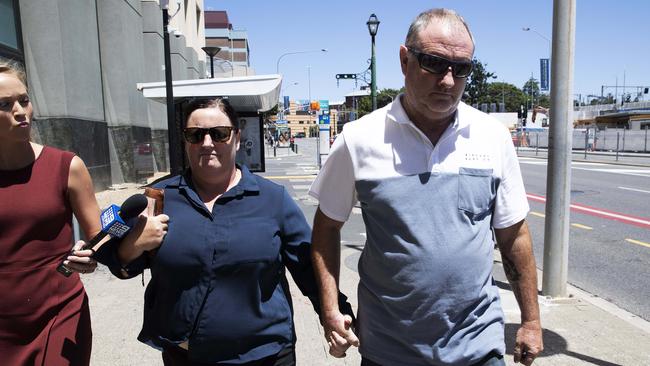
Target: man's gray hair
{"points": [[426, 17]]}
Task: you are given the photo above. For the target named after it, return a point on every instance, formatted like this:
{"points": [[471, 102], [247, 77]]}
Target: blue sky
{"points": [[612, 40]]}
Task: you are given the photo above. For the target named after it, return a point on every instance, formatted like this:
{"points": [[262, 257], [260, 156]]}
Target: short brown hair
{"points": [[427, 16], [220, 103]]}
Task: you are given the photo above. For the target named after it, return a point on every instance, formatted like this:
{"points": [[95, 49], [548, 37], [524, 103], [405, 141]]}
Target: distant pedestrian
{"points": [[219, 293], [433, 177], [44, 316]]}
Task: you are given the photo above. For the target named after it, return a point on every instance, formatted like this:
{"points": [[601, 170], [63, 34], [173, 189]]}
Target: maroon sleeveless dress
{"points": [[44, 316]]}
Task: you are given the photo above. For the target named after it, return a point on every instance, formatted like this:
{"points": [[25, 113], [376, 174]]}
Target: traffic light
{"points": [[346, 76]]}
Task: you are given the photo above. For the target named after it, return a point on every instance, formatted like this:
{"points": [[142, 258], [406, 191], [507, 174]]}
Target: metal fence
{"points": [[593, 140]]}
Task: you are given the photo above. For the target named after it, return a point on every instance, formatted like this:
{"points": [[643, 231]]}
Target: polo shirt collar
{"points": [[397, 114]]}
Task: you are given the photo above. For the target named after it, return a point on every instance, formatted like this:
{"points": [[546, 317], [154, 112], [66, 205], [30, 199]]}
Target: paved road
{"points": [[609, 253]]}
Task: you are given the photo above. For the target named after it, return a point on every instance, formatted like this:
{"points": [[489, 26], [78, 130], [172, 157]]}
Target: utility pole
{"points": [[558, 182], [173, 132]]}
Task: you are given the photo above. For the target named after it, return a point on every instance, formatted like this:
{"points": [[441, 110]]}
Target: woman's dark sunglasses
{"points": [[196, 135], [439, 66]]}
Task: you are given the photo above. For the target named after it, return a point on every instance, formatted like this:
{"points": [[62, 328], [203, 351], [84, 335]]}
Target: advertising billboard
{"points": [[544, 71]]}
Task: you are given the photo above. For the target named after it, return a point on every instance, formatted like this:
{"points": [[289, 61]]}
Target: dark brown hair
{"points": [[219, 102]]}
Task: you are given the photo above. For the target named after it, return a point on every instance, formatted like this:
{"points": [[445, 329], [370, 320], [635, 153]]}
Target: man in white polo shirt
{"points": [[433, 177]]}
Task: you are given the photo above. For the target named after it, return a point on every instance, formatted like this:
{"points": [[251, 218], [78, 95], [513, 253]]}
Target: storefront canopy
{"points": [[257, 93]]}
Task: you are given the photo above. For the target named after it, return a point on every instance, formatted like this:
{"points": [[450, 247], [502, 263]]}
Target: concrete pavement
{"points": [[580, 330]]}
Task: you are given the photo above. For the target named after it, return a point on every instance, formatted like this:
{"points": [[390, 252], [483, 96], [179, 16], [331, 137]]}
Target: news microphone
{"points": [[113, 220]]}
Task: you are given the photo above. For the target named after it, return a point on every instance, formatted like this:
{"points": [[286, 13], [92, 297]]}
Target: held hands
{"points": [[151, 231], [528, 343], [80, 260], [339, 333]]}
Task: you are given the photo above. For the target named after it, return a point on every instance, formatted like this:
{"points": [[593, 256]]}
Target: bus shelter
{"points": [[250, 96]]}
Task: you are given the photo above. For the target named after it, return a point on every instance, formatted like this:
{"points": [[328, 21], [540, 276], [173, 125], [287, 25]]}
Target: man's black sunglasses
{"points": [[196, 135], [439, 65]]}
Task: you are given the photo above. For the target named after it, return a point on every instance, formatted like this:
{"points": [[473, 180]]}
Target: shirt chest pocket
{"points": [[476, 192], [253, 241]]}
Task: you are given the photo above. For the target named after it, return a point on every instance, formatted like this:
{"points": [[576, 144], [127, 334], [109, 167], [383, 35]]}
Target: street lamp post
{"points": [[283, 109], [173, 133], [211, 51], [373, 26], [550, 48], [277, 64], [528, 29]]}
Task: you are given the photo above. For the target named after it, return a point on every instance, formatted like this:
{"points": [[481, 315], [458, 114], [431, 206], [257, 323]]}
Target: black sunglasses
{"points": [[196, 135], [439, 65]]}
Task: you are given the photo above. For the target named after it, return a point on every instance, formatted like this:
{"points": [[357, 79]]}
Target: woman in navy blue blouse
{"points": [[218, 292]]}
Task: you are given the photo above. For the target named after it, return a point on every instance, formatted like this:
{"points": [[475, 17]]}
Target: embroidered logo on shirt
{"points": [[477, 157]]}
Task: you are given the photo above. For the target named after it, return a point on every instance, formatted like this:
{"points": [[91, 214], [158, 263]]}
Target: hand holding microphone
{"points": [[113, 220]]}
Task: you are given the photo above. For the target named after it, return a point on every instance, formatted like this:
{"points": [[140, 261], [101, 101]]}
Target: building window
{"points": [[10, 37]]}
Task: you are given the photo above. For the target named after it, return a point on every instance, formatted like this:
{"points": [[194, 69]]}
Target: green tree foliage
{"points": [[386, 96], [476, 88], [509, 94], [364, 106], [544, 100]]}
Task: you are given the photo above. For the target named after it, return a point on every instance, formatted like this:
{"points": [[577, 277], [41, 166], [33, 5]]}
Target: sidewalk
{"points": [[580, 330]]}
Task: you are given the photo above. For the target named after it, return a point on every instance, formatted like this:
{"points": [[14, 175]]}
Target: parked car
{"points": [[299, 134]]}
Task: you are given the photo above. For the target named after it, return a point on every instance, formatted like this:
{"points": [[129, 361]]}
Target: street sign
{"points": [[324, 119], [324, 106]]}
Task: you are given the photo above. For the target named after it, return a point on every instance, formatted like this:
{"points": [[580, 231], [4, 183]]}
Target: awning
{"points": [[257, 93]]}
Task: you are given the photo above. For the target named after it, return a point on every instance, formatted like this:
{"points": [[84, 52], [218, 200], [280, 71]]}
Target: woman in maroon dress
{"points": [[44, 316]]}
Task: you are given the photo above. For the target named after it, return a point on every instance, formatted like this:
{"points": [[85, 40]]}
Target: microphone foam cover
{"points": [[133, 206]]}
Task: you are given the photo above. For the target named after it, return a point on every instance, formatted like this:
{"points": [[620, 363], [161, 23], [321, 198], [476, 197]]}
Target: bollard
{"points": [[296, 147], [617, 139], [274, 151], [586, 143], [645, 143], [536, 143]]}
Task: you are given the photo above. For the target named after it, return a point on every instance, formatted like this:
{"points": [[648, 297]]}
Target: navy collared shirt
{"points": [[218, 279]]}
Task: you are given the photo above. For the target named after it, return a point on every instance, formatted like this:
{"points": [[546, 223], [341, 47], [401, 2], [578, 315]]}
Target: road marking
{"points": [[634, 172], [637, 242], [537, 214], [637, 221], [594, 167], [311, 177], [580, 226], [634, 189], [301, 186]]}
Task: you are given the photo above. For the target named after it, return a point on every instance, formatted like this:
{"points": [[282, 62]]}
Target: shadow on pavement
{"points": [[553, 344]]}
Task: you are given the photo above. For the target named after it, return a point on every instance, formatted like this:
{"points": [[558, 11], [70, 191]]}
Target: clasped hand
{"points": [[80, 260], [150, 231], [339, 333]]}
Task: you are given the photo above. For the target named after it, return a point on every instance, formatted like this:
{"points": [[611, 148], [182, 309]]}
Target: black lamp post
{"points": [[173, 131], [373, 26], [211, 51]]}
